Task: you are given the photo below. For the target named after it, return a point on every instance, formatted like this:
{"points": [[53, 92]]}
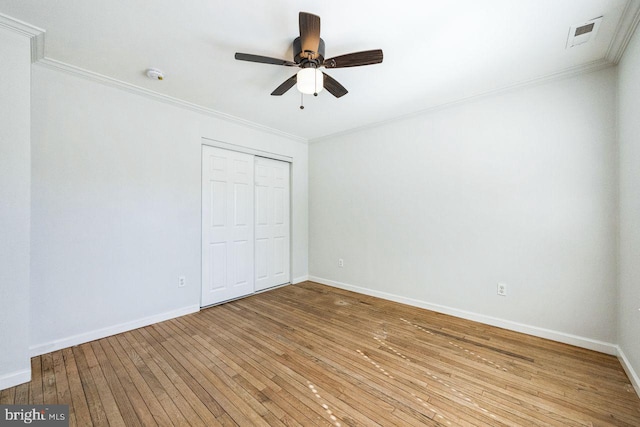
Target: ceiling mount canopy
{"points": [[308, 54]]}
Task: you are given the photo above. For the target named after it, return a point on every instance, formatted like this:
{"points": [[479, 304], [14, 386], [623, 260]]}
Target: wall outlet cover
{"points": [[502, 289]]}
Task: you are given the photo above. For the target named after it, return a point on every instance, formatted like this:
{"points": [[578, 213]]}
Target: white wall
{"points": [[116, 206], [629, 137], [518, 188], [15, 181]]}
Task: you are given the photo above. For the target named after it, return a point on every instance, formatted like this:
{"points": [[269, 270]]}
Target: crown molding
{"points": [[35, 34], [109, 81], [37, 48], [137, 90], [590, 67], [626, 27]]}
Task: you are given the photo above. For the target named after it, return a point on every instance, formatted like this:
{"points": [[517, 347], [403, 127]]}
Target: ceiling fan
{"points": [[308, 51]]}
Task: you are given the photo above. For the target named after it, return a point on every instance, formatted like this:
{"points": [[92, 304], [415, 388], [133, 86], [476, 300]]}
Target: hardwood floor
{"points": [[309, 354]]}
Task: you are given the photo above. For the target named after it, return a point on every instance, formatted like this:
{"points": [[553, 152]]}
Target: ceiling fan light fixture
{"points": [[310, 81]]}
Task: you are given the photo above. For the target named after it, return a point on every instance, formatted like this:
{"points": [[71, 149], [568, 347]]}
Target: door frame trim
{"points": [[242, 149]]}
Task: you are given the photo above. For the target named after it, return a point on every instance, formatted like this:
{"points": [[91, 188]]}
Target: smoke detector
{"points": [[584, 32], [155, 74]]}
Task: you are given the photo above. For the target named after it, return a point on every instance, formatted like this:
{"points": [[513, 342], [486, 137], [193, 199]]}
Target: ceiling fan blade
{"points": [[288, 84], [333, 87], [264, 59], [355, 59], [309, 34]]}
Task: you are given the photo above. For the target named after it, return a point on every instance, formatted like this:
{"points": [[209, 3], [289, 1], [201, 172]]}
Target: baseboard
{"points": [[631, 373], [15, 378], [110, 330], [300, 279], [562, 337]]}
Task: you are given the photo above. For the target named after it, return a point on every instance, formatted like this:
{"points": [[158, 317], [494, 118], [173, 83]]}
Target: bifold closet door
{"points": [[272, 223], [227, 225]]}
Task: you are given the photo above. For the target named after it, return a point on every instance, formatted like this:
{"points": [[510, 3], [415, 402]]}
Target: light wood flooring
{"points": [[309, 354]]}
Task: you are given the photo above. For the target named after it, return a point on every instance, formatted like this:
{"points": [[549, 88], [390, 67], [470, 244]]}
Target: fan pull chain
{"points": [[301, 101], [315, 83]]}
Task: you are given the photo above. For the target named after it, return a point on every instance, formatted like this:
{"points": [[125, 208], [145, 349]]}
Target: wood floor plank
{"points": [[255, 387], [253, 374], [325, 374], [251, 360], [156, 410], [22, 394], [94, 402], [48, 380], [276, 365], [191, 406], [80, 404], [239, 398], [129, 389], [35, 390], [161, 382], [241, 412], [110, 406], [7, 396], [337, 348], [125, 405], [301, 298], [408, 404], [309, 354], [212, 410], [63, 391]]}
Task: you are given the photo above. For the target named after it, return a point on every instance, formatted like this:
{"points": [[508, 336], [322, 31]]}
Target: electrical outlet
{"points": [[502, 289], [182, 281], [340, 263]]}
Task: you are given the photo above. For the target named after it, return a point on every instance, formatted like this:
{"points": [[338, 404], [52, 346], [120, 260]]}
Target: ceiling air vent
{"points": [[584, 32]]}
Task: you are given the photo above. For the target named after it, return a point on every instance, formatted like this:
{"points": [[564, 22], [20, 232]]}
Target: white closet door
{"points": [[272, 223], [227, 225]]}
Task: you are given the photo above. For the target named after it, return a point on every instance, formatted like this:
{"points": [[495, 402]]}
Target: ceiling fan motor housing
{"points": [[304, 59]]}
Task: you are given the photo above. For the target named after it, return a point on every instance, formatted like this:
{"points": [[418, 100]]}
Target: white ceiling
{"points": [[435, 52]]}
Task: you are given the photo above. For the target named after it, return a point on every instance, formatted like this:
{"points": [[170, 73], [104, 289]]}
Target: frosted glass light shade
{"points": [[310, 80]]}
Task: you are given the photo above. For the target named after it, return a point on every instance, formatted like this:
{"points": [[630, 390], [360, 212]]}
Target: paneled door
{"points": [[271, 223], [227, 225]]}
